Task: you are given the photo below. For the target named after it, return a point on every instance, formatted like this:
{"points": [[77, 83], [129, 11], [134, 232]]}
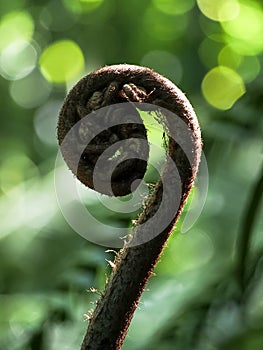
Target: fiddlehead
{"points": [[86, 131]]}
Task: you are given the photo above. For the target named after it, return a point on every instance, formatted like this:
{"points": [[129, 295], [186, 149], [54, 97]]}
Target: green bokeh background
{"points": [[214, 54]]}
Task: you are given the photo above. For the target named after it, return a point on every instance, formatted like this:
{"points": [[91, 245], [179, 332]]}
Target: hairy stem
{"points": [[135, 262]]}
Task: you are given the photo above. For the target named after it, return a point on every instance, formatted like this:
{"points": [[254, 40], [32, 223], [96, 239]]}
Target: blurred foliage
{"points": [[207, 295]]}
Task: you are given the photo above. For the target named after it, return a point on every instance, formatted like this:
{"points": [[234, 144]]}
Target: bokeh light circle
{"points": [[17, 60], [45, 122], [164, 27], [164, 62], [246, 30], [61, 61], [15, 169], [223, 10], [248, 67], [15, 26], [31, 91], [222, 87], [229, 58], [208, 52]]}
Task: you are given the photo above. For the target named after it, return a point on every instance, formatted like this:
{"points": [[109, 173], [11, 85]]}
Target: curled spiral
{"points": [[99, 116], [97, 129]]}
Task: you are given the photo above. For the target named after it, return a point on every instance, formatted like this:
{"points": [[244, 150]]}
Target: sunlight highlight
{"points": [[61, 61], [17, 60], [15, 26], [222, 87], [223, 10], [246, 31]]}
